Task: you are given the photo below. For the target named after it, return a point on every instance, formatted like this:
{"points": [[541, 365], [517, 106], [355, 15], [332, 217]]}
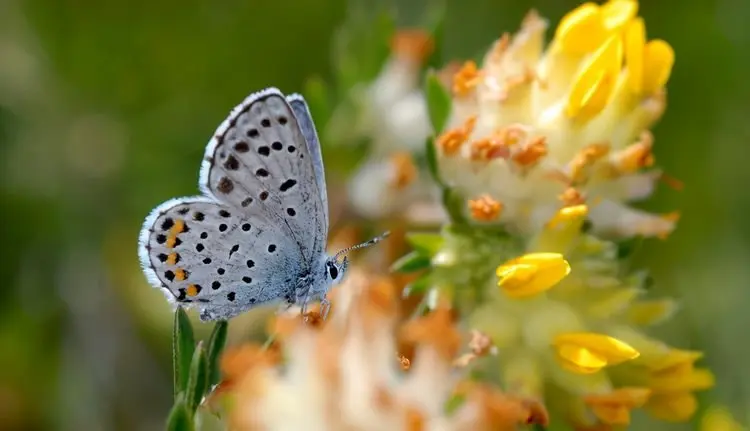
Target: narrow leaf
{"points": [[454, 205], [454, 403], [418, 286], [432, 162], [215, 347], [411, 262], [179, 418], [183, 344], [425, 243], [438, 102], [198, 379]]}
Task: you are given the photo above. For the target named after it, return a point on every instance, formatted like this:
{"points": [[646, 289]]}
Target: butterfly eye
{"points": [[333, 271]]}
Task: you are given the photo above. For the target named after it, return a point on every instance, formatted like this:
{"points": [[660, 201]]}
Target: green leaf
{"points": [[183, 344], [453, 403], [179, 418], [198, 380], [432, 163], [411, 262], [215, 346], [420, 285], [425, 243], [454, 205], [438, 102]]}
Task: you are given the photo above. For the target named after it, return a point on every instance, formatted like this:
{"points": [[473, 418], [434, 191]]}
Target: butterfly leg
{"points": [[325, 307]]}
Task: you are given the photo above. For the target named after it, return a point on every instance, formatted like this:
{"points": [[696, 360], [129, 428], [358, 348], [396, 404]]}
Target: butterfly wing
{"points": [[207, 254], [259, 162], [306, 124]]}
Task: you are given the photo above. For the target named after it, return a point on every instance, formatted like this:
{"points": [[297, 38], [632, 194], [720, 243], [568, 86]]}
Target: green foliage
{"points": [[438, 102], [198, 379], [195, 369], [215, 346], [183, 344], [411, 262], [425, 243], [180, 418]]}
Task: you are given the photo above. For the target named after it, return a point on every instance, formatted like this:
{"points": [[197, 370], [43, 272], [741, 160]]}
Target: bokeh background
{"points": [[105, 108]]}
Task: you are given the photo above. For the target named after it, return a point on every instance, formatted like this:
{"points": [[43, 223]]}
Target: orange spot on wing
{"points": [[177, 228], [172, 259], [180, 275], [192, 290]]}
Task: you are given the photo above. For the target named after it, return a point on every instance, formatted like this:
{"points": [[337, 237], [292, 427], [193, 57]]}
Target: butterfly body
{"points": [[258, 233]]}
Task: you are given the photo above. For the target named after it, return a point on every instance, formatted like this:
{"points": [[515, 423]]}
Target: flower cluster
{"points": [[345, 373], [536, 128], [544, 148], [566, 319]]}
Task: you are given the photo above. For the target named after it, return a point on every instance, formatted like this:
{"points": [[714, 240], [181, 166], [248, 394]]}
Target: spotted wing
{"points": [[306, 124], [215, 257], [259, 163]]}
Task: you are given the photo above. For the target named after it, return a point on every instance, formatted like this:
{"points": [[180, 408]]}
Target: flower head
{"points": [[566, 319], [532, 122], [344, 373]]}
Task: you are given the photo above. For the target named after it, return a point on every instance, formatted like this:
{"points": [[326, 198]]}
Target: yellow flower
{"points": [[565, 318], [581, 111], [588, 353], [532, 273]]}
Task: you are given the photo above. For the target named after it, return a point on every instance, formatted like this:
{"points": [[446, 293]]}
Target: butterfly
{"points": [[258, 233]]}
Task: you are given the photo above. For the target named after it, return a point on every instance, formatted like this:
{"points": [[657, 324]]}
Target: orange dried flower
{"points": [[466, 79], [532, 152], [452, 140], [485, 208]]}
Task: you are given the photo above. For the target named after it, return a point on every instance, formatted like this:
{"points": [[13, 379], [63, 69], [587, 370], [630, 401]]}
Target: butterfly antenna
{"points": [[373, 241]]}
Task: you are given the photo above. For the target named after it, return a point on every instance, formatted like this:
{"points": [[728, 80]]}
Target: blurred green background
{"points": [[105, 108]]}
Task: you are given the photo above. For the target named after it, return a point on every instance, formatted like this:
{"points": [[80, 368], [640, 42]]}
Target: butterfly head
{"points": [[336, 267]]}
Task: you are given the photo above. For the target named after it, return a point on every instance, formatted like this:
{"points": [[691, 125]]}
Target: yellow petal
{"points": [[593, 86], [658, 59], [614, 408], [569, 216], [617, 13], [579, 360], [635, 42], [693, 379], [592, 352], [581, 30], [532, 273], [673, 407], [562, 229], [675, 360]]}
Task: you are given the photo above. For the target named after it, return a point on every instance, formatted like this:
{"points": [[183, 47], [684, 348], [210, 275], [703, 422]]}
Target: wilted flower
{"points": [[535, 129], [345, 373]]}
